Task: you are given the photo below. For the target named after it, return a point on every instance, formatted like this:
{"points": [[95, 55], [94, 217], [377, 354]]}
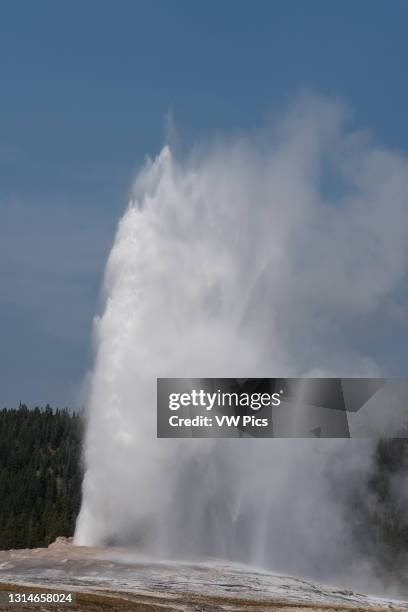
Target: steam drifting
{"points": [[254, 257]]}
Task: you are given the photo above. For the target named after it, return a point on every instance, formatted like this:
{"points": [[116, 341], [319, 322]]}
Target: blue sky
{"points": [[85, 89]]}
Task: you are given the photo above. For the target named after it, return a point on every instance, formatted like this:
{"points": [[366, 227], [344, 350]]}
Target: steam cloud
{"points": [[253, 257]]}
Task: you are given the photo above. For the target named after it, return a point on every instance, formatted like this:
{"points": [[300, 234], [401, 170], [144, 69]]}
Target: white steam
{"points": [[257, 257]]}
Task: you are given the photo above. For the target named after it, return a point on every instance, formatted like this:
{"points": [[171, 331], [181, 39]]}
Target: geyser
{"points": [[255, 257]]}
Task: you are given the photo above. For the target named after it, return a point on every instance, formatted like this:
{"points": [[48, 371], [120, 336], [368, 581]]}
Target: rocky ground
{"points": [[118, 579]]}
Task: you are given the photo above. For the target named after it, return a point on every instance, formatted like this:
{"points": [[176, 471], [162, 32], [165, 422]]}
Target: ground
{"points": [[119, 579]]}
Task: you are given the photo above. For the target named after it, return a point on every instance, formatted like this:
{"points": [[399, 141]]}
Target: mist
{"points": [[266, 255]]}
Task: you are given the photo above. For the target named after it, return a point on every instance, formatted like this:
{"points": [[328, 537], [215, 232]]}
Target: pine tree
{"points": [[40, 475]]}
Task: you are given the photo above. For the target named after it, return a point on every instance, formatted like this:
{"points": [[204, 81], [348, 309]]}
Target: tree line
{"points": [[379, 511], [40, 475]]}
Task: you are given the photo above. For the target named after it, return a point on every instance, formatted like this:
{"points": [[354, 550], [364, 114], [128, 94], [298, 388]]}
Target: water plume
{"points": [[259, 256]]}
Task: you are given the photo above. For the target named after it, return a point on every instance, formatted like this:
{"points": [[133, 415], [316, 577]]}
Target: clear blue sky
{"points": [[85, 88]]}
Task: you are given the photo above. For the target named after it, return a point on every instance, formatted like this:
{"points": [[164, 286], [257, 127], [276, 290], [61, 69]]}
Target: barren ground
{"points": [[118, 579]]}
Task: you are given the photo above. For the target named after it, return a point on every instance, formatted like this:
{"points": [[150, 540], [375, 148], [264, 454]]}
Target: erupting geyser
{"points": [[257, 257]]}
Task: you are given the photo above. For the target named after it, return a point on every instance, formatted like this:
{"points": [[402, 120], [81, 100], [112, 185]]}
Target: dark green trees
{"points": [[40, 475]]}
